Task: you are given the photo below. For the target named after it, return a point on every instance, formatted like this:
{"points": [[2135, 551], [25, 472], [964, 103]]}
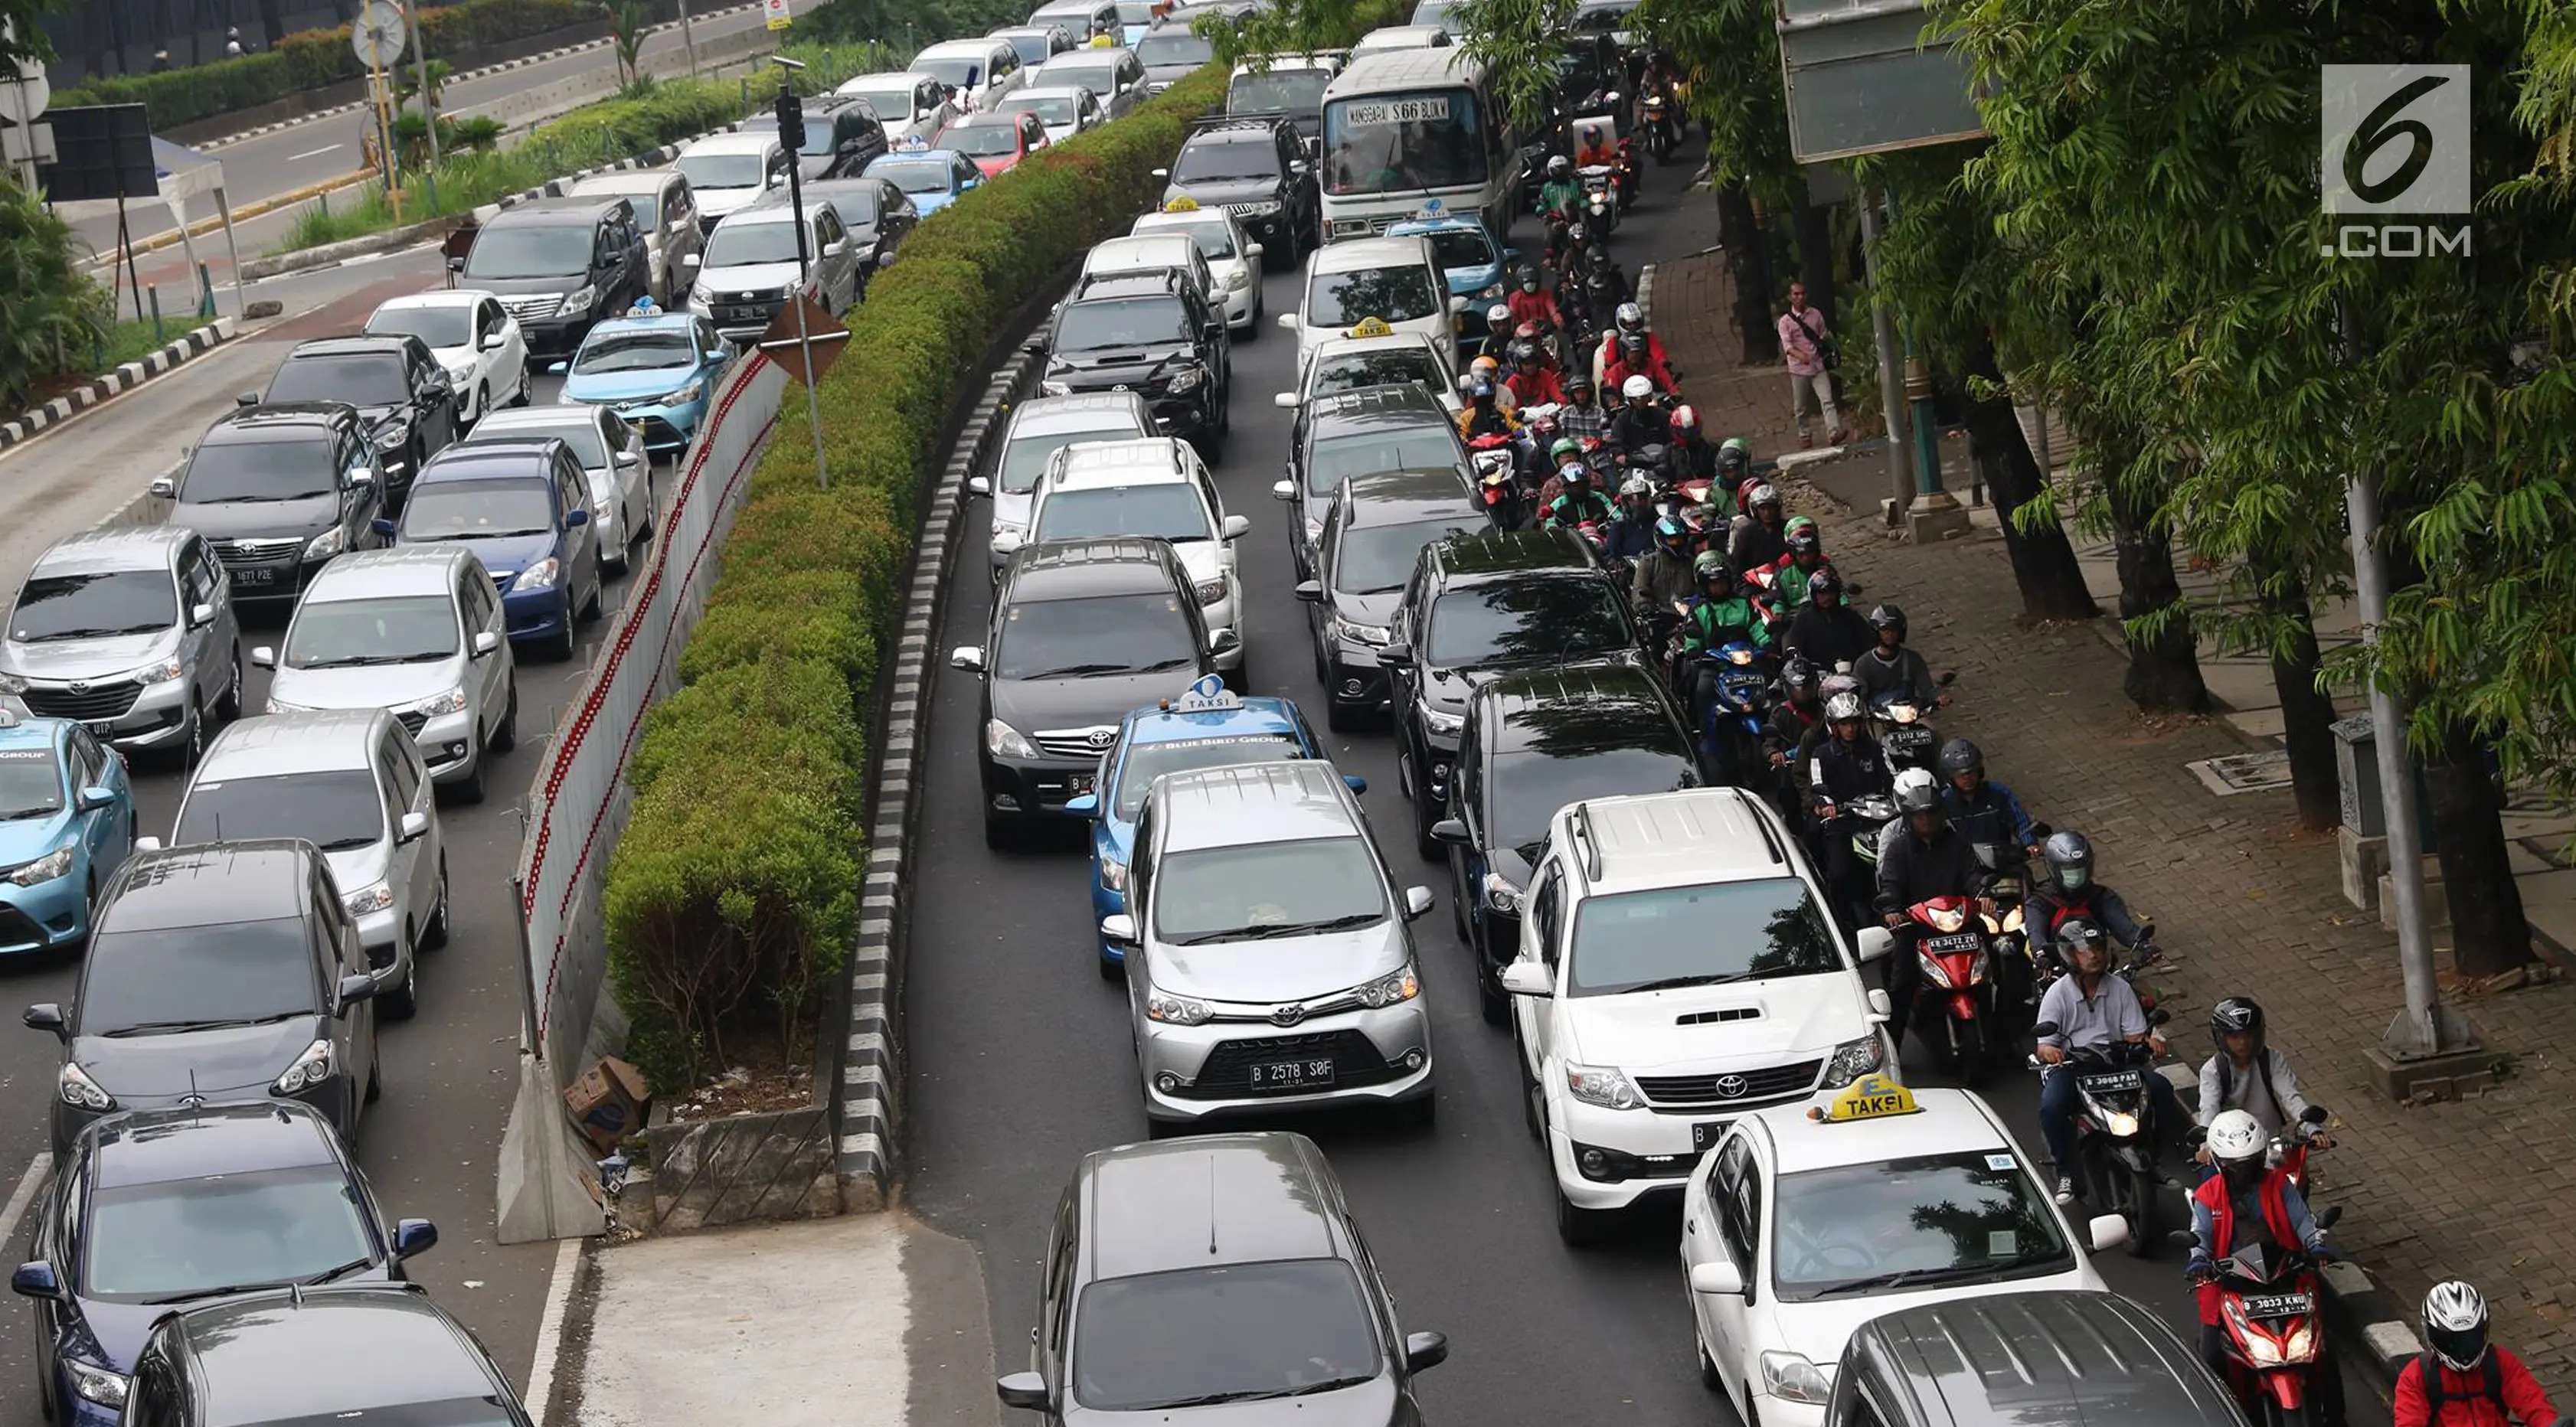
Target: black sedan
{"points": [[400, 390], [1359, 433], [1374, 532]]}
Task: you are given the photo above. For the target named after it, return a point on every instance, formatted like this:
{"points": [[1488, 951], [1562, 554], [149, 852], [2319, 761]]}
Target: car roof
{"points": [[272, 420], [659, 321], [1448, 223], [157, 1146], [1204, 1201], [2038, 1355], [383, 345], [1345, 346], [532, 418], [266, 745], [442, 297], [1354, 408], [895, 157], [397, 570], [1047, 415], [1943, 1122], [1144, 246], [584, 208], [113, 547], [1511, 554], [255, 1354], [747, 141], [772, 208], [1380, 71], [1359, 254], [1681, 838], [625, 181], [1252, 803], [971, 49], [984, 119], [1623, 707], [22, 732], [1079, 569], [1046, 91], [1134, 282], [1402, 497], [511, 458], [1292, 59], [1259, 715], [175, 887], [1146, 460]]}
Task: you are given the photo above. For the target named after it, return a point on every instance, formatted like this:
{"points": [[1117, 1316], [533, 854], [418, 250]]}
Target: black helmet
{"points": [[1804, 541], [1528, 278], [1668, 528], [1574, 233], [2070, 860], [1559, 166], [2077, 933], [1824, 582], [1576, 384], [1960, 756], [1888, 616], [1798, 673], [2237, 1015], [1734, 462]]}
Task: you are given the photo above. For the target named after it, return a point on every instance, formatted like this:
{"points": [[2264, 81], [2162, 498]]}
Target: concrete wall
{"points": [[738, 1169]]}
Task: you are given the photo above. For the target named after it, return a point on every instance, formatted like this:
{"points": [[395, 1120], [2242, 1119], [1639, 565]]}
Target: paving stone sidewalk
{"points": [[2245, 900]]}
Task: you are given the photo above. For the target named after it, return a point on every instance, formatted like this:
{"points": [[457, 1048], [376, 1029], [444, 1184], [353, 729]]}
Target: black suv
{"points": [[877, 215], [278, 490], [1254, 167], [1478, 606], [842, 135], [1374, 531], [559, 265], [1082, 632], [400, 390], [1360, 433], [1152, 333], [1534, 742]]}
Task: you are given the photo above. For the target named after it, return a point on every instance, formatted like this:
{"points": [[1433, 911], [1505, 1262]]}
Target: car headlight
{"points": [[309, 1070], [1055, 388], [1438, 722], [578, 301], [1238, 279], [1493, 293], [1792, 1378], [327, 544], [278, 705], [1501, 895], [461, 370], [1602, 1086], [539, 576], [699, 296], [160, 673], [44, 869], [1391, 989], [1016, 529], [12, 684], [1003, 741], [453, 701], [686, 394], [96, 1383], [1261, 209], [391, 435], [1357, 633], [1853, 1059], [1113, 875], [1186, 379], [369, 899], [1174, 1010], [80, 1092], [1210, 591]]}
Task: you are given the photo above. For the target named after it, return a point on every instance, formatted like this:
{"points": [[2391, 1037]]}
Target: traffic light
{"points": [[791, 121]]}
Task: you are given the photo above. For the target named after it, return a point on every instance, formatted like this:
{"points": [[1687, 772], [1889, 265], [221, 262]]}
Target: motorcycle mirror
{"points": [[2313, 1115], [1948, 677], [2326, 1219], [2195, 1137], [2044, 1030], [2159, 1016], [2181, 1238]]}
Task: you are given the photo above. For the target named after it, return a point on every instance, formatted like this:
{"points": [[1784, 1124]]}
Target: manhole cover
{"points": [[2244, 772]]}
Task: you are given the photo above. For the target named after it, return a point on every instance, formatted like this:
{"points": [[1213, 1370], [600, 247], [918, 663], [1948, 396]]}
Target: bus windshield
{"points": [[1393, 143]]}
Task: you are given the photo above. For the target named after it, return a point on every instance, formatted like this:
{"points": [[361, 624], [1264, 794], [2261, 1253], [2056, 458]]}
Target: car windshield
{"points": [[186, 1238], [1378, 559], [1227, 160], [1578, 71], [1345, 299], [94, 606], [1098, 76], [31, 783], [1214, 237], [1436, 12], [1222, 1333], [635, 350], [1174, 45], [530, 250], [915, 176], [1691, 936], [166, 979], [982, 141], [1529, 787], [705, 171], [1549, 619], [963, 71], [578, 428], [1146, 762], [443, 326], [1603, 18], [1383, 143], [1972, 1217], [1393, 367], [647, 202], [335, 809], [1461, 248], [1267, 889], [1032, 49], [1113, 322], [891, 102], [740, 245], [358, 378], [1337, 458], [1055, 109], [1169, 510], [245, 471], [399, 629], [1280, 91], [477, 510], [1103, 634], [1025, 459]]}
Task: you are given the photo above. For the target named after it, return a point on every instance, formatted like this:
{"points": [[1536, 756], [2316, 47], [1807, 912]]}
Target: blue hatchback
{"points": [[523, 507], [1208, 726], [1476, 265], [66, 824], [931, 178], [656, 372]]}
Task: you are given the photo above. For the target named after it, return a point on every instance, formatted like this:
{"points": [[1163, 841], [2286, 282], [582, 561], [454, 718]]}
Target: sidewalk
{"points": [[2247, 900]]}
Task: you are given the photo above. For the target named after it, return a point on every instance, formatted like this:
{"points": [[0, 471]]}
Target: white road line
{"points": [[25, 1194], [550, 1324], [314, 153]]}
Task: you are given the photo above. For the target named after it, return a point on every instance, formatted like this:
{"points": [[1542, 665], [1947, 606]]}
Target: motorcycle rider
{"points": [[2461, 1379], [1663, 577], [1559, 193], [1758, 540], [1798, 720], [1720, 615], [1564, 456], [1805, 545], [1630, 321], [1890, 667], [1984, 811], [1530, 302], [1919, 857], [1641, 422], [2249, 1203], [1581, 418], [1577, 502], [1847, 765], [1633, 359], [1694, 455], [2091, 1009], [1734, 472], [1824, 630], [1592, 145], [1632, 533], [1483, 417], [1531, 383], [2251, 1076], [2069, 893]]}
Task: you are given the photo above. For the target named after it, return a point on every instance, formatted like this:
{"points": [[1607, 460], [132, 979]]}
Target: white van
{"points": [[981, 71], [1390, 283]]}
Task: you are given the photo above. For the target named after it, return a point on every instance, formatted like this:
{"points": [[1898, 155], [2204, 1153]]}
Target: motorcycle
{"points": [[2268, 1324], [1865, 819], [1953, 945], [1661, 132], [1601, 200], [2115, 1130], [1731, 728], [1908, 741], [1497, 480]]}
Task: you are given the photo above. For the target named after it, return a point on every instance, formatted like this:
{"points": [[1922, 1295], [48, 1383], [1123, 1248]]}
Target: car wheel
{"points": [[1458, 905], [469, 790], [598, 594], [193, 747], [1578, 1227], [1533, 1100], [1252, 330], [1340, 717], [434, 935], [526, 382], [232, 699], [1112, 970], [506, 737], [1000, 833], [403, 1002], [1492, 1001], [1425, 813]]}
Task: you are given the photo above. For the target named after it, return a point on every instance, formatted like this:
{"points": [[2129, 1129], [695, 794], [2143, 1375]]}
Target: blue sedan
{"points": [[1476, 265], [931, 178], [1208, 726], [657, 372], [66, 824]]}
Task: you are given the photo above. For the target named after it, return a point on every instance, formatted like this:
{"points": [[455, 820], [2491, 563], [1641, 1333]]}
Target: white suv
{"points": [[1158, 488], [1677, 968]]}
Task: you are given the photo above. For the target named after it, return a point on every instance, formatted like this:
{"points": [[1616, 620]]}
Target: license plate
{"points": [[1955, 941], [2279, 1305], [255, 575], [1909, 739], [1077, 784], [2111, 1082], [1707, 1132], [1313, 1073], [102, 726]]}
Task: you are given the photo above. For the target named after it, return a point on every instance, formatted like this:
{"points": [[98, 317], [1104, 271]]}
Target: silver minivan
{"points": [[352, 783], [1040, 427], [1268, 956], [130, 630], [665, 211], [417, 631], [751, 259]]}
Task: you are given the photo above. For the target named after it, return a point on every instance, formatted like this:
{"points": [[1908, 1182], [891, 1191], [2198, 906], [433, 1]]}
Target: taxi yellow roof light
{"points": [[1372, 327], [1872, 1097]]}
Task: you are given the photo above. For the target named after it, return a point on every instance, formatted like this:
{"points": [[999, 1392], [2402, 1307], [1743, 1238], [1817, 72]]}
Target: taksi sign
{"points": [[2394, 146]]}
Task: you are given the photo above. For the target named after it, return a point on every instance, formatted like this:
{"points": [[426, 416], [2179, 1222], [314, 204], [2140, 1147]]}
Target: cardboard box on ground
{"points": [[608, 1103]]}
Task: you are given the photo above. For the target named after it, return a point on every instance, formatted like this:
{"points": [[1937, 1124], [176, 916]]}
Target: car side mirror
{"points": [[1417, 900], [1392, 657], [147, 844], [1162, 173], [1283, 490], [1876, 943], [165, 488], [354, 989], [415, 826], [382, 526], [1452, 831], [1424, 1351], [1253, 250], [1223, 641], [1083, 805], [1457, 305], [94, 798], [362, 475], [248, 398], [264, 656], [1355, 782], [492, 341], [1527, 978], [43, 1016], [1311, 591], [1284, 400], [1005, 544], [2108, 1232], [1881, 1009], [1237, 526], [628, 458], [576, 518], [556, 369], [414, 1237], [690, 261], [969, 657], [1300, 167], [979, 485], [1715, 1277], [485, 641], [1024, 1390], [200, 615], [1287, 321], [36, 1280], [456, 265], [836, 247], [1118, 930]]}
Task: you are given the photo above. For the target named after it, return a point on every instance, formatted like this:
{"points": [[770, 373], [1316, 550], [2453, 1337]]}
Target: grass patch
{"points": [[132, 341]]}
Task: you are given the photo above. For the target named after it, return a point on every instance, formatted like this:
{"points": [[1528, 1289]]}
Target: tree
{"points": [[1516, 41], [23, 41], [1732, 54]]}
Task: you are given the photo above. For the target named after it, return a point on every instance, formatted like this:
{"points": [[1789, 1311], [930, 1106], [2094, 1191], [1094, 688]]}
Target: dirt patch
{"points": [[761, 1079]]}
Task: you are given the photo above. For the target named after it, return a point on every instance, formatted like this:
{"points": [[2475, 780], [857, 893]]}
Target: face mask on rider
{"points": [[2074, 879]]}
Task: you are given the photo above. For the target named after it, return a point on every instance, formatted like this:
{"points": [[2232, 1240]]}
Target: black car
{"points": [[1082, 632], [842, 135], [157, 1210], [1360, 433], [1148, 332], [877, 215], [1254, 167], [225, 971], [1479, 606], [1534, 742], [399, 388], [1374, 531], [358, 1352], [559, 265], [278, 490]]}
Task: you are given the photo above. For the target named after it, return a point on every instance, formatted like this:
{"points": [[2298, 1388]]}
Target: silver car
{"points": [[751, 265], [1039, 428], [1267, 953], [352, 783], [131, 631], [666, 213], [612, 457], [417, 631]]}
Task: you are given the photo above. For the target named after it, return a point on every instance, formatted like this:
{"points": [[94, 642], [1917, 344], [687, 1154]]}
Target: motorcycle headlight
{"points": [[80, 1092], [2301, 1345], [96, 1383], [453, 701], [1113, 875], [327, 544], [1501, 895], [539, 576], [309, 1070], [44, 869], [1003, 741], [1902, 713], [1438, 722], [1853, 1059], [1055, 388], [369, 899], [1391, 989], [160, 673], [686, 394], [1600, 1085], [578, 301], [1739, 656], [1174, 1010], [1794, 1379], [1186, 379], [2120, 1124], [1949, 919], [1371, 634], [2012, 920], [1210, 591]]}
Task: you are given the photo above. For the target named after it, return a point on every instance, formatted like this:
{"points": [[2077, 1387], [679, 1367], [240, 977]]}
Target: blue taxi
{"points": [[1207, 726], [1476, 264], [931, 178], [657, 370], [66, 825]]}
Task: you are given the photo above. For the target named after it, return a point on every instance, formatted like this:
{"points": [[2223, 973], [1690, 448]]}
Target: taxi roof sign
{"points": [[1207, 694], [1433, 208], [1372, 327], [1871, 1097], [1181, 203], [914, 144]]}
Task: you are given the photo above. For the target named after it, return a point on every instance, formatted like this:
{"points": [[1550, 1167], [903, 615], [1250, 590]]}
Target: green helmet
{"points": [[1565, 446], [1710, 565], [1798, 523], [1736, 443]]}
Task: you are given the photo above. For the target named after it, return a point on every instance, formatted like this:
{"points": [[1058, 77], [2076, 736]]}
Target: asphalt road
{"points": [[431, 1144], [1020, 1059]]}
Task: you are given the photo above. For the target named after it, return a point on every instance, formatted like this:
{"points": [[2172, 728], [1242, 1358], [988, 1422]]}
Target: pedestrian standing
{"points": [[161, 61], [1809, 346], [232, 42]]}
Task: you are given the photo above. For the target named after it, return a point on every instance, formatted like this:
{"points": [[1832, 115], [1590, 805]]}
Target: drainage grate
{"points": [[2243, 772]]}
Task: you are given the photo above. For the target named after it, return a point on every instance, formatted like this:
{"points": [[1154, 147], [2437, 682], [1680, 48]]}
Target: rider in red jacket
{"points": [[2461, 1380]]}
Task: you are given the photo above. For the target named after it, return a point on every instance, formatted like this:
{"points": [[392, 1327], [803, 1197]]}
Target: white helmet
{"points": [[1636, 485], [1637, 386], [1842, 708], [2235, 1137], [1763, 493], [2455, 1323], [1500, 316], [1630, 317], [1917, 791]]}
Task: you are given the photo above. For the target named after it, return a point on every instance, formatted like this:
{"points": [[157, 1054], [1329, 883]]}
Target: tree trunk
{"points": [[2489, 934], [1813, 224], [2164, 669], [2307, 710], [1748, 261], [2043, 562]]}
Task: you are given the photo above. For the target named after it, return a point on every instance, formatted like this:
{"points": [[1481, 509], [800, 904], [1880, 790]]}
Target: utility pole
{"points": [[688, 41], [428, 108], [791, 137], [1891, 383]]}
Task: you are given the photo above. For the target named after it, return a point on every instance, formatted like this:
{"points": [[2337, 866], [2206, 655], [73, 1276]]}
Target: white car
{"points": [[980, 71], [1371, 356], [910, 104], [1798, 1230], [1233, 259], [472, 336], [1157, 487], [1394, 281], [1146, 252], [730, 172], [613, 460], [1065, 109], [1401, 37], [1678, 966]]}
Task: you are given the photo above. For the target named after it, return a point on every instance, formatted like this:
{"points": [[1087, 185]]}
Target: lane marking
{"points": [[314, 153], [24, 1194], [550, 1328]]}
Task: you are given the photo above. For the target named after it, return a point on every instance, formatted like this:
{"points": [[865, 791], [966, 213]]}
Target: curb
{"points": [[125, 378], [331, 254], [2358, 1310], [207, 227]]}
